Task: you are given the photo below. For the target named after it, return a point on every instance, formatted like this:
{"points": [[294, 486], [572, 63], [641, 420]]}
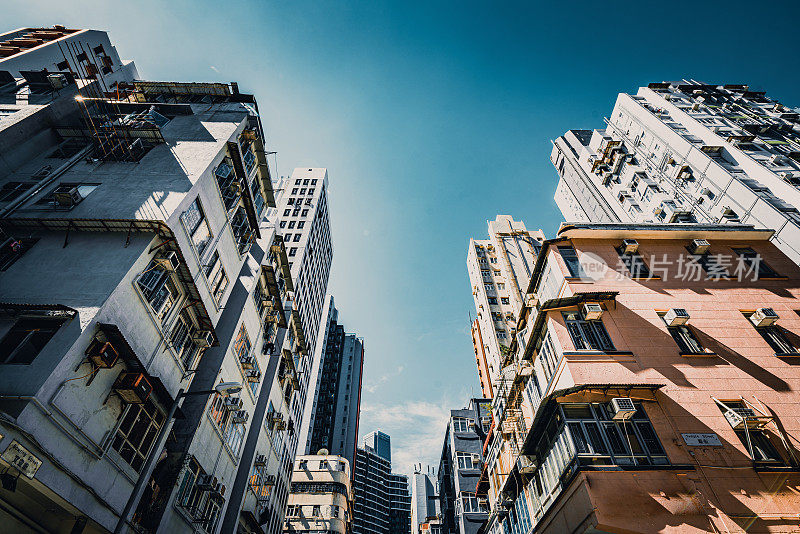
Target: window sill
{"points": [[598, 352], [644, 278], [699, 354], [788, 355]]}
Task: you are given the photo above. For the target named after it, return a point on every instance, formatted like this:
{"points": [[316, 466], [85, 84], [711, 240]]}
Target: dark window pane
{"points": [[615, 439], [649, 437], [570, 258], [578, 438], [595, 439]]}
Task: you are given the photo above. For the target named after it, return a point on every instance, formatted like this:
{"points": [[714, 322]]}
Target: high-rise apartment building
{"points": [[645, 396], [335, 393], [399, 504], [141, 263], [687, 152], [460, 467], [424, 499], [499, 270], [380, 503], [321, 497]]}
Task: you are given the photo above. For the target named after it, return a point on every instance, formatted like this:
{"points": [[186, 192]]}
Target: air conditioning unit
{"points": [[270, 480], [764, 317], [630, 246], [102, 355], [592, 311], [207, 482], [170, 260], [777, 159], [240, 416], [248, 362], [676, 317], [261, 460], [233, 404], [525, 369], [67, 195], [133, 388], [253, 376], [623, 408], [203, 338], [526, 464], [58, 80], [699, 246], [738, 418]]}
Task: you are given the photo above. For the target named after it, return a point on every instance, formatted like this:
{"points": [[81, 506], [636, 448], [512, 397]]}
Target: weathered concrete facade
{"points": [[321, 495]]}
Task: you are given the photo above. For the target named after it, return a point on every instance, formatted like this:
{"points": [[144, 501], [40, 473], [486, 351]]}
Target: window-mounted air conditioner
{"points": [[102, 355], [630, 246], [210, 484], [133, 388], [247, 362], [699, 246], [270, 480], [203, 338], [764, 317], [253, 376], [67, 196], [623, 408], [526, 464], [170, 260], [233, 404], [592, 311], [57, 80], [739, 418], [525, 369], [240, 416], [676, 317], [261, 460]]}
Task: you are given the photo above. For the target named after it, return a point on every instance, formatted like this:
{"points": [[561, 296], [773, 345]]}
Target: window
{"points": [[305, 212], [712, 264], [195, 221], [756, 441], [775, 336], [311, 191], [287, 212], [158, 289], [297, 237], [283, 224], [301, 224], [137, 432], [314, 181], [287, 238], [460, 424], [504, 300], [492, 300], [292, 251], [294, 190], [13, 249], [323, 464], [290, 201], [464, 460], [634, 262], [182, 340], [570, 257], [497, 273], [753, 260], [685, 338], [202, 505], [469, 504], [587, 335], [217, 279], [293, 510], [303, 191], [26, 339], [493, 260], [291, 224], [599, 440], [315, 511]]}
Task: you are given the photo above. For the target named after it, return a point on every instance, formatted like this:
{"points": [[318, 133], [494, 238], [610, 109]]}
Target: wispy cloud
{"points": [[416, 428], [372, 388], [215, 69]]}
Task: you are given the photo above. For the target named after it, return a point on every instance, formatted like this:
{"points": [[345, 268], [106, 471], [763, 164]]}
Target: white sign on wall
{"points": [[702, 440], [21, 458]]}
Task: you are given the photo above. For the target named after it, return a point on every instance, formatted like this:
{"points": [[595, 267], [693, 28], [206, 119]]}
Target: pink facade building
{"points": [[653, 386]]}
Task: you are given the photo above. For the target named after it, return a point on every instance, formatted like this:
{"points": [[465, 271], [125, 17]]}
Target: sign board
{"points": [[19, 457], [702, 440]]}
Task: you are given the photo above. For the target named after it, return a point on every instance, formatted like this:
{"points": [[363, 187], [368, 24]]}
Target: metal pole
{"points": [[147, 471]]}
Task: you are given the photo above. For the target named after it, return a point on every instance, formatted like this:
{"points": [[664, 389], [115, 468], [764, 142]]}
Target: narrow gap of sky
{"points": [[432, 118]]}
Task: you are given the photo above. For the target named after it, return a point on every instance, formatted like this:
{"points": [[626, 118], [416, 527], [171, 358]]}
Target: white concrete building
{"points": [[499, 270], [321, 497], [141, 257], [684, 152]]}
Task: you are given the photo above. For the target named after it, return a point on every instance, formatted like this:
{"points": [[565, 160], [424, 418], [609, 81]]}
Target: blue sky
{"points": [[431, 118]]}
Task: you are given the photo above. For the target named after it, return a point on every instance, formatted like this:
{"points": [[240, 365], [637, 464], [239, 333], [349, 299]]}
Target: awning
{"points": [[279, 249], [263, 172], [247, 195], [130, 226], [565, 302], [270, 281], [251, 522], [49, 310], [549, 403], [112, 334], [297, 326]]}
